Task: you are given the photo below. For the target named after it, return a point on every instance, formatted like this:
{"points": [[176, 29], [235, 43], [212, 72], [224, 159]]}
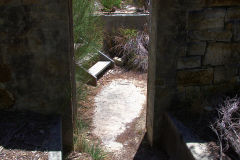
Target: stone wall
{"points": [[209, 61], [36, 58], [195, 50]]}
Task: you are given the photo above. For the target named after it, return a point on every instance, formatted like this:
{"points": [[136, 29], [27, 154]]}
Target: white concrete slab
{"points": [[97, 68]]}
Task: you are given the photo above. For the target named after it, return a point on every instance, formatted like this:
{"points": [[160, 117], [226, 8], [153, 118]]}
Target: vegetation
{"points": [[132, 46], [87, 30], [81, 143], [109, 4], [227, 125]]}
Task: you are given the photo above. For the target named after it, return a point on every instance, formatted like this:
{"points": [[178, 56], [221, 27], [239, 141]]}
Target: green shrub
{"points": [[109, 4], [86, 28], [88, 31]]}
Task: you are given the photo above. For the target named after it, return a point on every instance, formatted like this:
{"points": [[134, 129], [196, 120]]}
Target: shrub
{"points": [[132, 46], [227, 125], [86, 28], [109, 4]]}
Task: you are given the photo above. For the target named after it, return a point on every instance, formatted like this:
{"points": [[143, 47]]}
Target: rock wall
{"points": [[36, 58], [195, 52], [210, 59]]}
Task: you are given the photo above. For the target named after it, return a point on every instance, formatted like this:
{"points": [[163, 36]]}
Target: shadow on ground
{"points": [[145, 152], [29, 131]]}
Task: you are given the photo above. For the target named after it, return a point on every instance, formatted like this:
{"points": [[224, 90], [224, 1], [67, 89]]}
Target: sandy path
{"points": [[117, 105]]}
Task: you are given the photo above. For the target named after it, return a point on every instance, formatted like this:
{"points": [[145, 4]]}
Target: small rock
{"points": [[118, 61]]}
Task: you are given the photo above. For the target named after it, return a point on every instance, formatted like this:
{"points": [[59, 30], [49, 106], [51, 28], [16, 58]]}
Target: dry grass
{"points": [[227, 125], [132, 46]]}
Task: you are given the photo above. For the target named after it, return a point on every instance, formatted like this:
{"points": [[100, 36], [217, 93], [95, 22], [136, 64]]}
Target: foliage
{"points": [[87, 28], [109, 4], [128, 33], [132, 46], [81, 143]]}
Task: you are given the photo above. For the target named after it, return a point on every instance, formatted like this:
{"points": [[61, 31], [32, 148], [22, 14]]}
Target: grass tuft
{"points": [[82, 144], [109, 4]]}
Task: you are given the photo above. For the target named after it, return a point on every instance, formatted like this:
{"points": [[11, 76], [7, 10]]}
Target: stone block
{"points": [[224, 74], [219, 3], [233, 14], [211, 18], [10, 2], [224, 36], [5, 73], [218, 54], [182, 51], [189, 62], [236, 31], [195, 77], [194, 4], [181, 92], [197, 48], [31, 2], [192, 91], [6, 99]]}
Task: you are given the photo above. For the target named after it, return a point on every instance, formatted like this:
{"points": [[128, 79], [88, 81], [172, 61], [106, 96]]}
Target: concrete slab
{"points": [[99, 67]]}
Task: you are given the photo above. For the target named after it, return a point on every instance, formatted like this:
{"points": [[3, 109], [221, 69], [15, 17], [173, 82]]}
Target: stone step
{"points": [[99, 67]]}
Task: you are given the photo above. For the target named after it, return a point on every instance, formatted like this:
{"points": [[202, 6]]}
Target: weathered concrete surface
{"points": [[166, 19], [37, 58], [115, 21]]}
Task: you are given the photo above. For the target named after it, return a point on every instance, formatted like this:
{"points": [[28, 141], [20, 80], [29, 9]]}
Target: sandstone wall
{"points": [[209, 60], [36, 59], [195, 52]]}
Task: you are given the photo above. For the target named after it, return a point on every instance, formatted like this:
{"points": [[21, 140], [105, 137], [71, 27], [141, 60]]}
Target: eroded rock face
{"points": [[6, 99]]}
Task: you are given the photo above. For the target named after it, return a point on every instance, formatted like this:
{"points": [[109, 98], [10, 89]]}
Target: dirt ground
{"points": [[133, 145]]}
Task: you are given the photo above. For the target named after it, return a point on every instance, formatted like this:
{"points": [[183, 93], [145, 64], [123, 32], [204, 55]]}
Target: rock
{"points": [[195, 77], [207, 19], [197, 48], [224, 74], [189, 62], [192, 91], [6, 99], [218, 54], [118, 61], [233, 14], [219, 3], [236, 31], [77, 45], [224, 36]]}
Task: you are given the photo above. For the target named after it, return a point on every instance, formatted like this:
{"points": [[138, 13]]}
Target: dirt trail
{"points": [[117, 105], [116, 110]]}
